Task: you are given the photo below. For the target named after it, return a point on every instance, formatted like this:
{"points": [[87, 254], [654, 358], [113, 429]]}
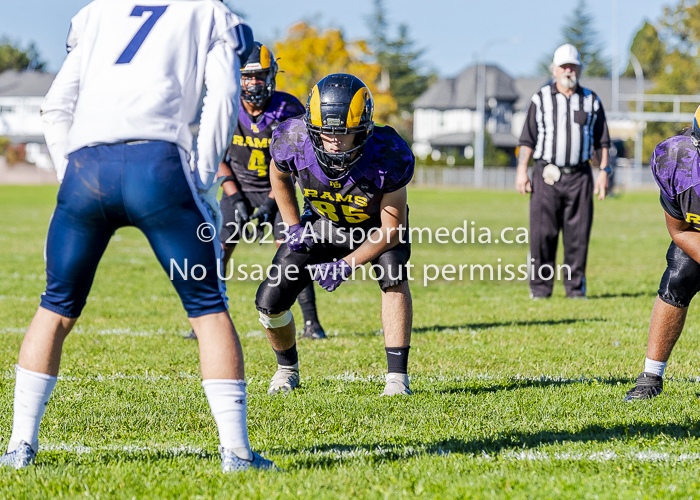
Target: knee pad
{"points": [[392, 266], [681, 280], [276, 322]]}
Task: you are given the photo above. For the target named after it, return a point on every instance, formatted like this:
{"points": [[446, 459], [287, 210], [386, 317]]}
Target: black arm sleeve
{"points": [[601, 138], [283, 167], [529, 135], [672, 208]]}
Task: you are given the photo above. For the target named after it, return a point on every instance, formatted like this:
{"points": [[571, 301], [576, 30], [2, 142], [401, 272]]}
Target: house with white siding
{"points": [[445, 118], [21, 95]]}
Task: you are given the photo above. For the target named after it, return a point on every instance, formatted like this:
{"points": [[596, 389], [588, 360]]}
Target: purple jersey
{"points": [[355, 198], [248, 155], [676, 168]]}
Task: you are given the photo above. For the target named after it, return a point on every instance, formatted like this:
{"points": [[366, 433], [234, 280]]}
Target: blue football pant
{"points": [[146, 184]]}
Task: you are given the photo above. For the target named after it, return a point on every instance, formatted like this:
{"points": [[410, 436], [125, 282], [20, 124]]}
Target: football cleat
{"points": [[231, 463], [22, 457], [648, 386], [313, 330], [285, 380], [396, 384], [190, 336]]}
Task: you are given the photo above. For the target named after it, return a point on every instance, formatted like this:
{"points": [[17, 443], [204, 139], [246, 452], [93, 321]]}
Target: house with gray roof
{"points": [[21, 94], [445, 117]]}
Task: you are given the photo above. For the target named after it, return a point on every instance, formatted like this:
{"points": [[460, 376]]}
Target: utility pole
{"points": [[638, 141], [615, 60]]}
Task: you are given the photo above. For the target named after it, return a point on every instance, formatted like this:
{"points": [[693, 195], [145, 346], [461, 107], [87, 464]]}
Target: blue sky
{"points": [[452, 32]]}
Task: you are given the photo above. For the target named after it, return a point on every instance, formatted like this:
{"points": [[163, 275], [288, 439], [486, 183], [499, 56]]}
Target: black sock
{"points": [[307, 302], [397, 359], [288, 357]]}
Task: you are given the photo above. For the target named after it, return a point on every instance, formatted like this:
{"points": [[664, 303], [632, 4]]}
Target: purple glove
{"points": [[331, 274], [299, 239]]}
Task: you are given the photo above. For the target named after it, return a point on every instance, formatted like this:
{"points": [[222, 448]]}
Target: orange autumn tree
{"points": [[307, 54]]}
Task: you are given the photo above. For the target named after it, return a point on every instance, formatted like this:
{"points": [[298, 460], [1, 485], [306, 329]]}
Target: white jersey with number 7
{"points": [[136, 71]]}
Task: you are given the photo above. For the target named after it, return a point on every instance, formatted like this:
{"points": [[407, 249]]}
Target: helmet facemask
{"points": [[258, 93], [261, 62], [695, 135], [335, 165], [339, 104]]}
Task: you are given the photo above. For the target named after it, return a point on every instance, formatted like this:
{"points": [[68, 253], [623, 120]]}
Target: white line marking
{"points": [[82, 449], [341, 453]]}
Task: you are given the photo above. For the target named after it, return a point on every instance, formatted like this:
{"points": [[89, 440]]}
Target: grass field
{"points": [[513, 398]]}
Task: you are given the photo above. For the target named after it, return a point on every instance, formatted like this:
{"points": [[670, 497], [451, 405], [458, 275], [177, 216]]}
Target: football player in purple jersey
{"points": [[676, 168], [246, 168], [353, 177]]}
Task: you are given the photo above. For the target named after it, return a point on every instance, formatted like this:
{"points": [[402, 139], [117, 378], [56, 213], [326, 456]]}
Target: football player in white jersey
{"points": [[117, 127]]}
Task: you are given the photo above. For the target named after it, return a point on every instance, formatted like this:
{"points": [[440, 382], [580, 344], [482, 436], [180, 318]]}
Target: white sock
{"points": [[32, 393], [655, 367], [227, 400]]}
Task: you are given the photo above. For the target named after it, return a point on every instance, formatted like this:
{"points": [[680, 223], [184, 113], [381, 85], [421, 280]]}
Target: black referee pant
{"points": [[567, 205]]}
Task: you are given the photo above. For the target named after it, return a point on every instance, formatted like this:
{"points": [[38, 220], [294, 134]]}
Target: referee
{"points": [[565, 124]]}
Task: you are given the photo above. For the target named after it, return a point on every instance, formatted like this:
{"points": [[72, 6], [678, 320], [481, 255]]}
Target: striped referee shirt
{"points": [[562, 130]]}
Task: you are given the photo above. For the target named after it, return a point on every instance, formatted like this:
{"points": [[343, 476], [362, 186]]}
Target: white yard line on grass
{"points": [[346, 453], [82, 449]]}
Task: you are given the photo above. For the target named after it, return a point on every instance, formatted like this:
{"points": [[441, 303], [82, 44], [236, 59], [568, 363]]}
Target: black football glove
{"points": [[240, 212], [267, 211], [265, 214]]}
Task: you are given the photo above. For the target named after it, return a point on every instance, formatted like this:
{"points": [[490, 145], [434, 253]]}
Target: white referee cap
{"points": [[566, 54]]}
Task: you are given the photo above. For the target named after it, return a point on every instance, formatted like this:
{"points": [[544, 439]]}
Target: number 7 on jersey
{"points": [[142, 33]]}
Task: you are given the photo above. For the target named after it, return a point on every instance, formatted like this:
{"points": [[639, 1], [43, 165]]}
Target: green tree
{"points": [[649, 50], [308, 54], [678, 69], [580, 32], [680, 26], [12, 56], [400, 62]]}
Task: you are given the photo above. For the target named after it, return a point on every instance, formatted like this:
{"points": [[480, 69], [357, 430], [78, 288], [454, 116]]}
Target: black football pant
{"points": [[565, 206]]}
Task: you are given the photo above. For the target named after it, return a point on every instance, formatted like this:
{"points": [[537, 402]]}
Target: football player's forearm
{"points": [[369, 250], [283, 189], [229, 186], [393, 217]]}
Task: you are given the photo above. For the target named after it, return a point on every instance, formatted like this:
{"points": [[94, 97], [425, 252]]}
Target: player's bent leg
{"points": [[397, 320], [36, 376], [397, 316], [281, 333], [223, 380], [273, 300], [169, 214], [679, 284], [43, 343], [228, 251], [307, 297], [78, 235], [312, 326], [664, 331], [220, 352]]}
